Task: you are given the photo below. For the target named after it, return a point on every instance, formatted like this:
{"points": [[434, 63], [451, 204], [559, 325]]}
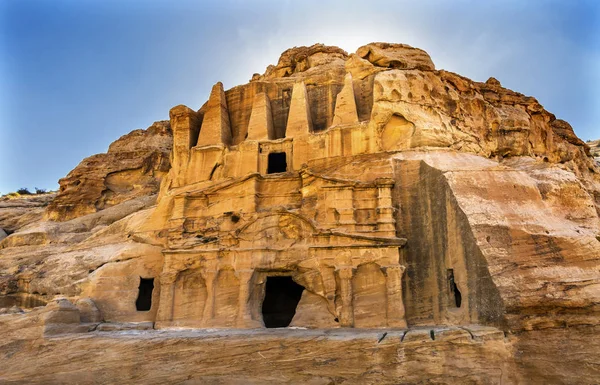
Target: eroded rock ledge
{"points": [[446, 355]]}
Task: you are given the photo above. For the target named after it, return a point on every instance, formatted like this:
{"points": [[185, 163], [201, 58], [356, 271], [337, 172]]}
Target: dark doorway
{"points": [[455, 295], [277, 163], [282, 295], [144, 299]]}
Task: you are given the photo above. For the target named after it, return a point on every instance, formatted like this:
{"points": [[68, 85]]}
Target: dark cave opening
{"points": [[282, 295], [455, 295], [144, 299]]}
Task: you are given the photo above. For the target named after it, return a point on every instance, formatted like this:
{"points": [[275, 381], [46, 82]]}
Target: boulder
{"points": [[88, 311]]}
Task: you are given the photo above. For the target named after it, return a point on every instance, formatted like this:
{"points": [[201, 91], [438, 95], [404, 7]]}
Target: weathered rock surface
{"points": [[46, 259], [399, 56], [409, 224], [132, 167], [470, 355], [19, 212], [594, 146], [300, 59]]}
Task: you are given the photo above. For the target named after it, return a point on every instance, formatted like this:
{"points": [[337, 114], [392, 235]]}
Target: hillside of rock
{"points": [[19, 212], [342, 218], [132, 167]]}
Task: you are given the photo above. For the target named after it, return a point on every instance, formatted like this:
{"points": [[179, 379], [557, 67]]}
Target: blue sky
{"points": [[76, 75]]}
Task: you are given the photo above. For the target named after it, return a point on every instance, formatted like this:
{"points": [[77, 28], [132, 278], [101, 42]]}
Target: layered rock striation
{"points": [[428, 227]]}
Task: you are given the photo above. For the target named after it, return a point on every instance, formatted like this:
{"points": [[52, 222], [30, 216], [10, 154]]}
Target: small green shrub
{"points": [[24, 191], [12, 195]]}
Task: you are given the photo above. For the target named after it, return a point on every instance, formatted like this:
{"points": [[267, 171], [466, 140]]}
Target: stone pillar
{"points": [[299, 125], [260, 126], [328, 278], [167, 291], [334, 143], [299, 121], [345, 274], [210, 279], [185, 126], [244, 317], [345, 104], [341, 199], [385, 210], [396, 316], [216, 128], [345, 205]]}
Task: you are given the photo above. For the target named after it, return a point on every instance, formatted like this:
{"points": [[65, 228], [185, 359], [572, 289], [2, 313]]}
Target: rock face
{"points": [[398, 56], [132, 167], [17, 213], [595, 149], [429, 228]]}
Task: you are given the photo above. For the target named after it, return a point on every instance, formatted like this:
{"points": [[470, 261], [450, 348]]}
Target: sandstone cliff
{"points": [[595, 149], [132, 167], [61, 238], [459, 218], [17, 213]]}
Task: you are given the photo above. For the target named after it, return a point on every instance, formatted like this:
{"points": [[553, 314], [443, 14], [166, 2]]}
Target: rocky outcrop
{"points": [[332, 194], [530, 256], [564, 130], [16, 213], [300, 59], [594, 146], [132, 167], [397, 56]]}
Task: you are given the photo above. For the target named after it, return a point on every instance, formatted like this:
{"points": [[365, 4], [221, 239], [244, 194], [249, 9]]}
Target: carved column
{"points": [[167, 292], [345, 206], [340, 200], [260, 126], [345, 274], [210, 279], [396, 316], [345, 104], [185, 124], [328, 278], [244, 318], [334, 142], [299, 121], [299, 125], [385, 209], [216, 127]]}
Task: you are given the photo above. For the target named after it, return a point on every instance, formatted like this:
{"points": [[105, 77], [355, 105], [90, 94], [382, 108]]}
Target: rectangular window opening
{"points": [[277, 163]]}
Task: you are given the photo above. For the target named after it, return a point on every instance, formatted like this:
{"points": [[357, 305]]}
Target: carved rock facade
{"points": [[344, 192]]}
